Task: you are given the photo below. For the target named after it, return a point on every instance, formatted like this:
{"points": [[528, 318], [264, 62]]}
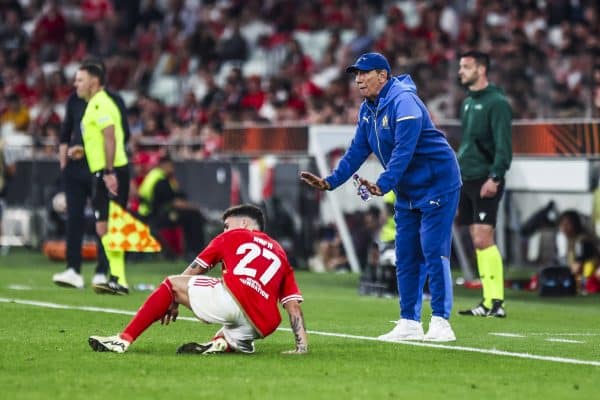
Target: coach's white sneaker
{"points": [[99, 279], [108, 343], [68, 278], [440, 331], [405, 329]]}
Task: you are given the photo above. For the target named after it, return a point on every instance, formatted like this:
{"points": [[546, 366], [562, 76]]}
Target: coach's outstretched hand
{"points": [[314, 181]]}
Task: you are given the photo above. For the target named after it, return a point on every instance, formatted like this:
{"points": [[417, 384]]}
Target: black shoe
{"points": [[218, 345], [111, 287], [497, 310], [478, 311]]}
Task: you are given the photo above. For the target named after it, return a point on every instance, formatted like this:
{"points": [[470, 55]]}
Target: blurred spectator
{"points": [[150, 13], [287, 55], [96, 10], [211, 137], [13, 38], [73, 48], [45, 115], [583, 254], [232, 46], [49, 32], [329, 254], [47, 140], [16, 113], [363, 41], [254, 96]]}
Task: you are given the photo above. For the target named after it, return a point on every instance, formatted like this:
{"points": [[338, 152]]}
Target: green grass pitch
{"points": [[545, 349]]}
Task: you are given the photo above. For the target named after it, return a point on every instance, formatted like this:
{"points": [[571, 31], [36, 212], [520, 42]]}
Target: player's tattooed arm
{"points": [[195, 268], [298, 327]]}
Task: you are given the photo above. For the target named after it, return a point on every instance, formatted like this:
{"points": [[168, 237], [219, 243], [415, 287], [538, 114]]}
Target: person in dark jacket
{"points": [[484, 155], [421, 168], [77, 182]]}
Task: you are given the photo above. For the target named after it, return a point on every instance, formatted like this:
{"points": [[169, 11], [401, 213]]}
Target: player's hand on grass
{"points": [[171, 314], [314, 181], [298, 350]]}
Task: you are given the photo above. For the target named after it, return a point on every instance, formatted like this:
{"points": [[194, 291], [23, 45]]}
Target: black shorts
{"points": [[472, 209], [100, 194]]}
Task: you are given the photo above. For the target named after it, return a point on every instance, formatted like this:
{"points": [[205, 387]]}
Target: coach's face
{"points": [[83, 84], [370, 83], [468, 71]]}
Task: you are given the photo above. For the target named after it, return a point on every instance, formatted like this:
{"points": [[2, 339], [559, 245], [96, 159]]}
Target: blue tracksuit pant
{"points": [[423, 243]]}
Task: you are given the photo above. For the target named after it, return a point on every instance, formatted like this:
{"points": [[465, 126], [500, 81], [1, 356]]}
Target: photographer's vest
{"points": [[146, 190]]}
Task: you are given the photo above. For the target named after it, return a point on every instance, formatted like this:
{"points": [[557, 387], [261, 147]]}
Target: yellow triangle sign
{"points": [[127, 233]]}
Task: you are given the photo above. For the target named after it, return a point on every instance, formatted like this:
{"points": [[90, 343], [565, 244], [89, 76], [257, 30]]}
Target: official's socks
{"points": [[116, 262], [489, 263]]}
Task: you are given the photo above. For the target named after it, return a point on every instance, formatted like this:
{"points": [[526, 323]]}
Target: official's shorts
{"points": [[212, 303], [100, 195], [472, 209]]}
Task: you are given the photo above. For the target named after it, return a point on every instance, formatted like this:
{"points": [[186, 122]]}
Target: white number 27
{"points": [[252, 252]]}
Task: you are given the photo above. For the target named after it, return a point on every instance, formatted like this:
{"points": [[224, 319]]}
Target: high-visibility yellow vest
{"points": [[100, 113], [388, 230], [146, 190]]}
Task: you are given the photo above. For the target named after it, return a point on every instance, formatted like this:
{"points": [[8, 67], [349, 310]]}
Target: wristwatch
{"points": [[495, 177], [109, 172]]}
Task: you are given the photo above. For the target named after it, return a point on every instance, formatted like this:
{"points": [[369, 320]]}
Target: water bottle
{"points": [[144, 287], [362, 190]]}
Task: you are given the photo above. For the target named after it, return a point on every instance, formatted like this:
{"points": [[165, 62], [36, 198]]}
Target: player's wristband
{"points": [[109, 172]]}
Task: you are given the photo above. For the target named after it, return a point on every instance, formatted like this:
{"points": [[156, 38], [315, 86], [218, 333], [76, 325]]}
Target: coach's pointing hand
{"points": [[314, 181]]}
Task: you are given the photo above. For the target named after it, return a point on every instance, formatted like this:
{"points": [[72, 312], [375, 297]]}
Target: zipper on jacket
{"points": [[377, 137]]}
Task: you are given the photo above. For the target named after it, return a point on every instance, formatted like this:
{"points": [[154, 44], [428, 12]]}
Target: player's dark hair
{"points": [[480, 58], [95, 68], [246, 210]]}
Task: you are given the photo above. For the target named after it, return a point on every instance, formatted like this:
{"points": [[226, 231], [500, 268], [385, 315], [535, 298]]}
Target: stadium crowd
{"points": [[188, 68]]}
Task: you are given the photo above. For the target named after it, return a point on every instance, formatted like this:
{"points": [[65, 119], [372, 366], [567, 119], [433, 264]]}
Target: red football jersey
{"points": [[257, 273]]}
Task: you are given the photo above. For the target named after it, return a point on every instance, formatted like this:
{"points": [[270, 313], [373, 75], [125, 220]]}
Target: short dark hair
{"points": [[480, 57], [94, 67], [246, 210], [574, 218]]}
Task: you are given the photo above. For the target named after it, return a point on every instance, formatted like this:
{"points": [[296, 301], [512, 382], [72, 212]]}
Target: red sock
{"points": [[155, 306]]}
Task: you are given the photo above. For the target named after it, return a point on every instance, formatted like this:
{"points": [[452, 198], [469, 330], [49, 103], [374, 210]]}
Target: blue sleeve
{"points": [[408, 124], [356, 154]]}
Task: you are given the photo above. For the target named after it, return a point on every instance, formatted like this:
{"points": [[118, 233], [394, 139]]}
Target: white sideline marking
{"points": [[507, 334], [563, 340], [340, 335], [19, 287], [525, 334]]}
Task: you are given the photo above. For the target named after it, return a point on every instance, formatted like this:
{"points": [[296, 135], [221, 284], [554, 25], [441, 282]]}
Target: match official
{"points": [[77, 181], [104, 145], [484, 155]]}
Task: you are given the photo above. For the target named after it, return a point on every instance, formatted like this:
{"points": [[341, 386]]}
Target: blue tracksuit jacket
{"points": [[421, 167]]}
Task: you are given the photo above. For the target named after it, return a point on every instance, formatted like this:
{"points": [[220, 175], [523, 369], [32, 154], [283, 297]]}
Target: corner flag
{"points": [[126, 233]]}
